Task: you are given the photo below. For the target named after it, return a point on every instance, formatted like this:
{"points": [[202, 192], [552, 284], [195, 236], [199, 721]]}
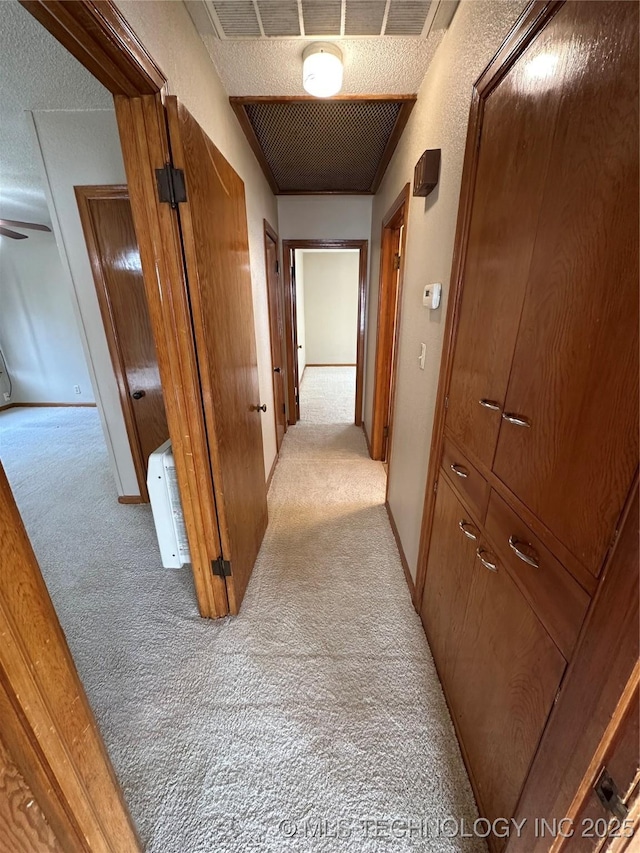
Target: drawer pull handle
{"points": [[531, 558], [518, 420], [490, 404], [459, 470], [480, 554], [468, 529]]}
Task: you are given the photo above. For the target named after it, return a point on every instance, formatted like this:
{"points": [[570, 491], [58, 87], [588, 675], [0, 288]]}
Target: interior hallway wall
{"points": [[38, 329], [439, 120], [331, 306], [300, 308], [318, 217], [79, 148], [168, 33]]}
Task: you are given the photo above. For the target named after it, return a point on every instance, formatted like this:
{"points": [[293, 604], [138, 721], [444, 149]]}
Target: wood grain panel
{"points": [[449, 575], [517, 136], [504, 683], [143, 135], [216, 249], [467, 480], [600, 670], [23, 826], [105, 213], [45, 717], [575, 370], [558, 600], [275, 296]]}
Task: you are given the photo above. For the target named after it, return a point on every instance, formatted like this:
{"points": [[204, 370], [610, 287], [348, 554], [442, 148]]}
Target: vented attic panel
{"points": [[340, 145]]}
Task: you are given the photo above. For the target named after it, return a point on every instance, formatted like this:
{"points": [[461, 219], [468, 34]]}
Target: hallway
{"points": [[318, 704]]}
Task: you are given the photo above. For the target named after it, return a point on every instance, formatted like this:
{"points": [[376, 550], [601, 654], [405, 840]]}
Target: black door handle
{"points": [[262, 408], [138, 394], [276, 370]]}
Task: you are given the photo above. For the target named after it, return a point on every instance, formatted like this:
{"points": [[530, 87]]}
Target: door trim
{"points": [[48, 726], [270, 233], [385, 369], [84, 195], [288, 263]]}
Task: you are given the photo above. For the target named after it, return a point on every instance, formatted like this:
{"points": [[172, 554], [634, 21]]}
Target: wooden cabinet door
{"points": [[515, 145], [216, 251], [449, 572], [575, 371], [504, 683]]}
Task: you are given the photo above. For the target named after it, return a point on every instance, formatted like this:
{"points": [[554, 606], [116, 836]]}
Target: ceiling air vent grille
{"points": [[406, 18], [364, 17], [322, 17], [231, 19], [279, 17], [314, 146], [238, 18]]}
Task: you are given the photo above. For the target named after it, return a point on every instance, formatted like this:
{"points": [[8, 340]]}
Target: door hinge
{"points": [[396, 261], [607, 792], [171, 186], [284, 409], [297, 398], [446, 402], [277, 267], [385, 431], [221, 568]]}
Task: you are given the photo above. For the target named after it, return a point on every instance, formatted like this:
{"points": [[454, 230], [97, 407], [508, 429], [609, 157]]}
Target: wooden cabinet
{"points": [[451, 561], [536, 436], [506, 676]]}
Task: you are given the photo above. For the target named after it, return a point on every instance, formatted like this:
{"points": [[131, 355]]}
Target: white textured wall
{"points": [[169, 35], [439, 120], [313, 217], [300, 326], [38, 330], [331, 306], [83, 147]]}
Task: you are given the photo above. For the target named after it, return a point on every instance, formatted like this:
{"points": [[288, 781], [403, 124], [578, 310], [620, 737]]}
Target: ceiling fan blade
{"points": [[5, 232], [15, 223]]}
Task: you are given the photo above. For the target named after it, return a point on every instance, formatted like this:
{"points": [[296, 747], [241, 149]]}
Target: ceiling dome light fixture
{"points": [[322, 69]]}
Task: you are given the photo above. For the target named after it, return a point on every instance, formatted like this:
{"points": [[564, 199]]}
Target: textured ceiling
{"points": [[36, 73], [252, 64]]}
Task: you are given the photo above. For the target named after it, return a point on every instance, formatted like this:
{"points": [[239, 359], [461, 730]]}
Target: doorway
{"points": [[330, 344], [392, 251], [105, 213], [275, 297]]}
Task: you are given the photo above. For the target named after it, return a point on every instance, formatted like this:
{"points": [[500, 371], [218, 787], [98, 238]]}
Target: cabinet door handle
{"points": [[490, 404], [459, 470], [531, 558], [493, 567], [468, 529], [518, 420]]}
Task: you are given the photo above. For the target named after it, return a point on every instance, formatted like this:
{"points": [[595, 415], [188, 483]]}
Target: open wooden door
{"points": [[215, 242], [276, 325]]}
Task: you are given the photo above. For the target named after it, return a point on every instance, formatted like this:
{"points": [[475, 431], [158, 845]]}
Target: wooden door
{"points": [[449, 572], [107, 223], [504, 683], [216, 252], [276, 329], [515, 145], [574, 382]]}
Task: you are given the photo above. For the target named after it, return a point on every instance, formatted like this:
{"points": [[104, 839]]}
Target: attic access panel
{"points": [[339, 145]]}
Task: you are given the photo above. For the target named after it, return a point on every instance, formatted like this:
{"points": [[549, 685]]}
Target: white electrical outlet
{"points": [[7, 396], [76, 388]]}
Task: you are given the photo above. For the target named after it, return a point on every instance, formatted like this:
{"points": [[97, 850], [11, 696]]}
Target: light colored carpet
{"points": [[318, 703]]}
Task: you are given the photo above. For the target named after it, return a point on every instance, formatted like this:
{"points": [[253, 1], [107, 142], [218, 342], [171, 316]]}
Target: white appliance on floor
{"points": [[166, 507]]}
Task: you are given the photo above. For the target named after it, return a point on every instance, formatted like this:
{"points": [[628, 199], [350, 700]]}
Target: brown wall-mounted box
{"points": [[427, 172]]}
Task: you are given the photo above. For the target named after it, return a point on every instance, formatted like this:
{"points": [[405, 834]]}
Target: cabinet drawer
{"points": [[469, 482], [558, 600]]}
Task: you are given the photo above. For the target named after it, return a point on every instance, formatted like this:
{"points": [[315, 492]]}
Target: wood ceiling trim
{"points": [[407, 103]]}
